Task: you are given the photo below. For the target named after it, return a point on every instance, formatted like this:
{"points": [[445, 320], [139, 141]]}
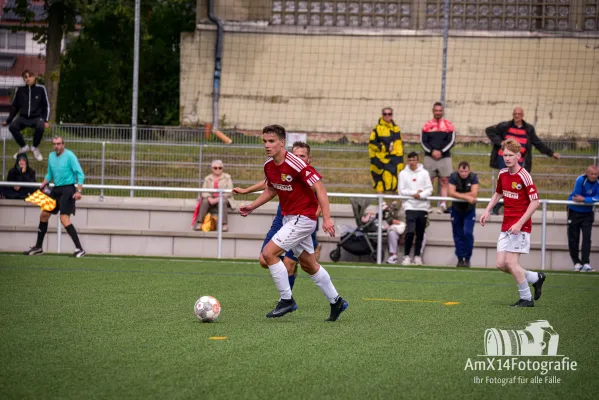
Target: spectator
{"points": [[581, 218], [31, 102], [463, 184], [20, 173], [437, 139], [385, 150], [218, 179], [525, 134], [395, 228], [415, 181]]}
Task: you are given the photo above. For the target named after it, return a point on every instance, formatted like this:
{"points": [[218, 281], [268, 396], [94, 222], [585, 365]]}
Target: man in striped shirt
{"points": [[525, 134]]}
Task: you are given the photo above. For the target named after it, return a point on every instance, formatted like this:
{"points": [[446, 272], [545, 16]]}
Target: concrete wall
{"points": [[161, 227], [326, 83]]}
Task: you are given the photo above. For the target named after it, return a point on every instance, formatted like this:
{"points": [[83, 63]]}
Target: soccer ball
{"points": [[207, 309]]}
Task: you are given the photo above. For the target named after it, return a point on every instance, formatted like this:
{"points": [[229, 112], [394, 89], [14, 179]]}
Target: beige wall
{"points": [[318, 83]]}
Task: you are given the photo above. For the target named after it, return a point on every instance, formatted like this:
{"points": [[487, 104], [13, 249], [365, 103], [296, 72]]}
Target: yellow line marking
{"points": [[218, 337], [445, 303]]}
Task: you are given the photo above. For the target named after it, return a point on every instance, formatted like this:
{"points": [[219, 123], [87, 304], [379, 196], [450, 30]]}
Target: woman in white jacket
{"points": [[415, 181]]}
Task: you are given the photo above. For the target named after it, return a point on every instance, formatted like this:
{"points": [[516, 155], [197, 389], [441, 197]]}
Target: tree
{"points": [[97, 69], [60, 18]]}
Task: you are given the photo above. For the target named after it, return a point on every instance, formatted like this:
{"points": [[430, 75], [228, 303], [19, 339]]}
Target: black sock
{"points": [[41, 233], [73, 234]]}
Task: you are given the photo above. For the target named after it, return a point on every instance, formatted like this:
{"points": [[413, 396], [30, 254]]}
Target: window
{"points": [[502, 15], [12, 40], [591, 15], [483, 15], [343, 13], [7, 62]]}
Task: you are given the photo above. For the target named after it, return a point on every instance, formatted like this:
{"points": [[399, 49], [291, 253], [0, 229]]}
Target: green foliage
{"points": [[97, 70]]}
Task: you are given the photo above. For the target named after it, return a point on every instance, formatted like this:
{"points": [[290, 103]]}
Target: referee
{"points": [[65, 170]]}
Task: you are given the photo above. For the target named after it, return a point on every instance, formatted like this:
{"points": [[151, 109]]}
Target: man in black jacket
{"points": [[524, 133], [32, 105]]}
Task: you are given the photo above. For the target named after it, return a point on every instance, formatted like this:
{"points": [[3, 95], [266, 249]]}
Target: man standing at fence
{"points": [[415, 181], [385, 150], [31, 102], [463, 184], [525, 134], [437, 138], [64, 169], [581, 218]]}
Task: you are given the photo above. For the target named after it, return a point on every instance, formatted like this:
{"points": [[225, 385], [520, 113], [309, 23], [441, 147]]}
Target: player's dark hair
{"points": [[301, 145], [438, 103], [413, 154], [463, 164], [27, 72], [276, 129]]}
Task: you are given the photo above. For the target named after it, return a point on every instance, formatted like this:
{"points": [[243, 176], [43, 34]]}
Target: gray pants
{"points": [[206, 208]]}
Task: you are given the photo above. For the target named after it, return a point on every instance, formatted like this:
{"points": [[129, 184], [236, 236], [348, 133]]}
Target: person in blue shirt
{"points": [[64, 169], [302, 150], [581, 218]]}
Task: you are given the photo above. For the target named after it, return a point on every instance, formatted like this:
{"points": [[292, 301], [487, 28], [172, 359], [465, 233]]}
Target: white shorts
{"points": [[519, 243], [296, 234]]}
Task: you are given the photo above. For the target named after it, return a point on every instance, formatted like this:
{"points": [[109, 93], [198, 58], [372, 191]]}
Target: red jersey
{"points": [[518, 191], [293, 180]]}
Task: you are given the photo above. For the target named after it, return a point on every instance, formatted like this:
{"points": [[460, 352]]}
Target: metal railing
{"points": [[378, 197], [183, 156]]}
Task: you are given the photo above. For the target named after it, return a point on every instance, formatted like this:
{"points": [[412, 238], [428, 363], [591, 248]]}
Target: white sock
{"points": [[524, 291], [322, 279], [531, 277], [279, 275]]}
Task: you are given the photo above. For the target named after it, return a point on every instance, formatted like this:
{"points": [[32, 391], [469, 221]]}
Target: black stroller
{"points": [[361, 241]]}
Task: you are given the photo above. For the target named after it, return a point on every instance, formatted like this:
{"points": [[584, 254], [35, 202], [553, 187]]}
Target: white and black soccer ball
{"points": [[207, 309]]}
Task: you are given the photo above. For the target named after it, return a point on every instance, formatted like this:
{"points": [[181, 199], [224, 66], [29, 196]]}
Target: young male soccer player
{"points": [[520, 199], [302, 150], [295, 182]]}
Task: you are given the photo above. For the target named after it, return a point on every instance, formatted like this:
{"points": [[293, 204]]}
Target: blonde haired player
{"points": [[520, 199]]}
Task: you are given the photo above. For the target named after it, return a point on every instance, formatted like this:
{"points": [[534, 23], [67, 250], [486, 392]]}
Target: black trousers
{"points": [[17, 125], [580, 221], [415, 225]]}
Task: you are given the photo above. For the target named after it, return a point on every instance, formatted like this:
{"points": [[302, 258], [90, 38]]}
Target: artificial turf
{"points": [[103, 327]]}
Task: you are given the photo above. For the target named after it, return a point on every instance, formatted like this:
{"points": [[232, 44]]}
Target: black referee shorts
{"points": [[65, 203]]}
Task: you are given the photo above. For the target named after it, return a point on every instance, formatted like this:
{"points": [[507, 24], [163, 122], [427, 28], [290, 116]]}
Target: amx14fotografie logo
{"points": [[520, 351]]}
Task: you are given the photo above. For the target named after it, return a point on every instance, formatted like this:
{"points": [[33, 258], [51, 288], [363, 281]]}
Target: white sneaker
{"points": [[417, 260], [21, 151], [577, 267], [586, 268], [406, 260], [36, 153], [392, 259]]}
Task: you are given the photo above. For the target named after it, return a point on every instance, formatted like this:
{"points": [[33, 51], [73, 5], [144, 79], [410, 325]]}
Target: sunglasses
{"points": [[217, 167], [387, 114]]}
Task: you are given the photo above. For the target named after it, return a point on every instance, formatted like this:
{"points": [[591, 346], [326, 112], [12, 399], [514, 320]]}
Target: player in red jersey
{"points": [[520, 199], [295, 182]]}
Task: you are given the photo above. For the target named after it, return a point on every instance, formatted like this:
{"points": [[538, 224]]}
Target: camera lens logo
{"points": [[537, 339]]}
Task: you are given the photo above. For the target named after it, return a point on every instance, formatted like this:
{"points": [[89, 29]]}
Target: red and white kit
{"points": [[293, 180], [518, 191]]}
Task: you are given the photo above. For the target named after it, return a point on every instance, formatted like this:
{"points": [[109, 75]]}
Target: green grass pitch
{"points": [[103, 328]]}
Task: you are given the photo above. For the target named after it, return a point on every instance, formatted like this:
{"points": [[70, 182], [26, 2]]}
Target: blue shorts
{"points": [[277, 224]]}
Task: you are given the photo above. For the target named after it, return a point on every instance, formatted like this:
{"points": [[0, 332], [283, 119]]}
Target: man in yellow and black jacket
{"points": [[385, 150]]}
